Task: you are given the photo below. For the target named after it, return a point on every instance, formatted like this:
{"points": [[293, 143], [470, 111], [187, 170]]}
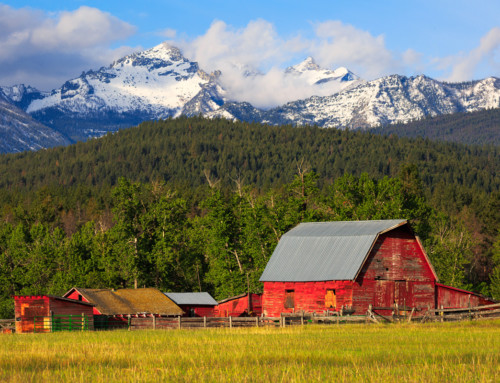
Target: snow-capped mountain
{"points": [[379, 102], [20, 132], [21, 96], [161, 82], [315, 75], [154, 84]]}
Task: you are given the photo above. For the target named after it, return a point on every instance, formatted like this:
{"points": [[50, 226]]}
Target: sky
{"points": [[43, 43]]}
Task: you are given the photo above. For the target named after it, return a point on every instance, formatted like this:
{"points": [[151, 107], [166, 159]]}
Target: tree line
{"points": [[214, 238]]}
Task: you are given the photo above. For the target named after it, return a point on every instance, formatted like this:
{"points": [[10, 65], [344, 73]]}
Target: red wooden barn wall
{"points": [[198, 310], [27, 307], [451, 297], [396, 271], [239, 306]]}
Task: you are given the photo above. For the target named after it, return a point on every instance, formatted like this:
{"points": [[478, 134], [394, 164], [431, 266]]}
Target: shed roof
{"points": [[35, 297], [325, 251], [192, 299], [130, 301]]}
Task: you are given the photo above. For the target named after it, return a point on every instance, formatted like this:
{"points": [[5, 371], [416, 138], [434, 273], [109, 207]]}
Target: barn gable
{"points": [[325, 251]]}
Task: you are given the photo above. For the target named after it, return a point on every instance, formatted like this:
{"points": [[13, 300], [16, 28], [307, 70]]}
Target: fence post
{"points": [[257, 321], [302, 318], [230, 322], [204, 321], [129, 323], [179, 322], [154, 322], [442, 313]]}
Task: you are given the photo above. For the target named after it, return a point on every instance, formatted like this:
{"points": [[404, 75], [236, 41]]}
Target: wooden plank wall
{"points": [[239, 306]]}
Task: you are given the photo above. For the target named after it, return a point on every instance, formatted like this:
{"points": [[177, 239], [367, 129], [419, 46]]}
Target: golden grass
{"points": [[443, 352]]}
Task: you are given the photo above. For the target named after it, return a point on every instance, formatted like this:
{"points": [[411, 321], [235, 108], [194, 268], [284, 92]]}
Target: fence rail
{"points": [[455, 314], [84, 323]]}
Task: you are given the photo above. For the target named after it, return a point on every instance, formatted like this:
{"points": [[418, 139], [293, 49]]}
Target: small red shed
{"points": [[451, 298], [240, 305], [195, 304], [39, 312]]}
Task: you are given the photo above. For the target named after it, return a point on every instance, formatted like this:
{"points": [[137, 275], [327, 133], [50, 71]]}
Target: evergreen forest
{"points": [[478, 128], [191, 204]]}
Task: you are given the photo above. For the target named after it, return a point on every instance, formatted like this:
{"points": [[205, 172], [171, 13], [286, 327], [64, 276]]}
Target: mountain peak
{"points": [[306, 65]]}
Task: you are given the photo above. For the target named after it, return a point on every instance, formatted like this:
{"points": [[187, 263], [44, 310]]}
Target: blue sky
{"points": [[43, 42]]}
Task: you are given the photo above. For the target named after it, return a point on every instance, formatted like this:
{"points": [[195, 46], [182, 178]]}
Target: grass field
{"points": [[442, 352]]}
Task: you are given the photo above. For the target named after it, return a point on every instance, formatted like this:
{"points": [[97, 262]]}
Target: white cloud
{"points": [[259, 48], [339, 44], [464, 66], [46, 50]]}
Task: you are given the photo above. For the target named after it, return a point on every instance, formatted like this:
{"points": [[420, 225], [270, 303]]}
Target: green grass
{"points": [[443, 352]]}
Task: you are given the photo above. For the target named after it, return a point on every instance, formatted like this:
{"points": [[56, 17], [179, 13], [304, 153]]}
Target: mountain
{"points": [[20, 132], [161, 83], [154, 84], [21, 96], [315, 75], [387, 100]]}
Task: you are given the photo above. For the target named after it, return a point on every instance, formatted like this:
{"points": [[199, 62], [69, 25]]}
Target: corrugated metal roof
{"points": [[324, 251], [192, 299]]}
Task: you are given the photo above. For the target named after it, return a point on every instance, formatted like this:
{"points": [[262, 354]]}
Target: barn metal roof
{"points": [[324, 251], [192, 299]]}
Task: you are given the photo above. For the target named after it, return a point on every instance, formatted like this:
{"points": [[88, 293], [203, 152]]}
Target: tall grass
{"points": [[459, 352]]}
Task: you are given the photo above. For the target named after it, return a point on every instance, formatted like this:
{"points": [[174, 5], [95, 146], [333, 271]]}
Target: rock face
{"points": [[20, 132], [160, 83]]}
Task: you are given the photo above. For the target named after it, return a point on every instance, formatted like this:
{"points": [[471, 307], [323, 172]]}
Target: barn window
{"points": [[289, 299], [79, 297], [330, 299]]}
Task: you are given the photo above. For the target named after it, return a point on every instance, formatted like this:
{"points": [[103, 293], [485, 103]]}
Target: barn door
{"points": [[289, 299], [384, 294], [403, 294], [330, 299]]}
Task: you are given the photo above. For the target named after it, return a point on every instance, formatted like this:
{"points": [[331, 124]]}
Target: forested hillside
{"points": [[469, 128], [183, 150], [194, 204]]}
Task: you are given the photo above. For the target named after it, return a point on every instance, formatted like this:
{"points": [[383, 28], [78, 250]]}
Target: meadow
{"points": [[437, 352]]}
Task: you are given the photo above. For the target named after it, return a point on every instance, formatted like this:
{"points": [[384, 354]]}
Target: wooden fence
{"points": [[472, 313], [285, 320]]}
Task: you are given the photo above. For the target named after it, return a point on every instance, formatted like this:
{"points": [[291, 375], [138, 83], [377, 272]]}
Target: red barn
{"points": [[351, 265], [39, 312], [240, 305], [194, 304]]}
